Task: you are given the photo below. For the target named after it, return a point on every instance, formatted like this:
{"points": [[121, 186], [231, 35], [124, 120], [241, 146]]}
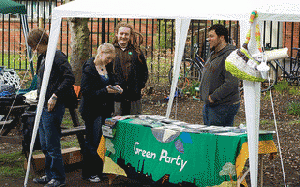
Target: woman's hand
{"points": [[114, 89], [210, 100], [121, 90], [52, 102]]}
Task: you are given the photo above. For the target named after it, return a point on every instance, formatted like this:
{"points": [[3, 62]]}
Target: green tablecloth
{"points": [[202, 159]]}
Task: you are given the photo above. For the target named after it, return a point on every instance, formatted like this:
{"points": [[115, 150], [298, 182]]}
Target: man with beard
{"points": [[129, 69], [218, 88]]}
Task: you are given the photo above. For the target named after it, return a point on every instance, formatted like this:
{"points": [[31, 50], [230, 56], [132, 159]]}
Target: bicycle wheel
{"points": [[189, 72], [265, 86], [294, 77]]}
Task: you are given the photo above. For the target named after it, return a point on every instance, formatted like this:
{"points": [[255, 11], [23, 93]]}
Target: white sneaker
{"points": [[42, 180], [55, 183], [95, 179]]}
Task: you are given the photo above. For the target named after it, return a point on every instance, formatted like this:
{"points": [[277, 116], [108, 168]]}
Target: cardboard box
{"points": [[70, 156]]}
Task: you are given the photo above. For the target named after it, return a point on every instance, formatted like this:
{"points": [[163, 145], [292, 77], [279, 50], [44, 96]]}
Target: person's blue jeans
{"points": [[50, 134], [221, 115], [92, 163]]}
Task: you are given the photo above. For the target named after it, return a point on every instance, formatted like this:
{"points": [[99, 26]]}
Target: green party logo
{"points": [[163, 156]]}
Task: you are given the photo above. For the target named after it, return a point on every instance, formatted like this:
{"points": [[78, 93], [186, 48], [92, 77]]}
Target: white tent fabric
{"points": [[182, 11], [25, 32]]}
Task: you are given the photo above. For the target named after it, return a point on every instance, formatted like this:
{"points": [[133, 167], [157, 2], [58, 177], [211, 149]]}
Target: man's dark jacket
{"points": [[137, 75], [61, 78], [220, 84]]}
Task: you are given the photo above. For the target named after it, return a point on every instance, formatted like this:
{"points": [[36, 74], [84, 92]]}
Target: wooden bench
{"points": [[72, 131], [5, 122]]}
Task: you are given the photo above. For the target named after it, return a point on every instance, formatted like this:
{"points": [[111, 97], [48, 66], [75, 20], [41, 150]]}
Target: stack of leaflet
{"points": [[108, 128], [161, 122], [157, 122]]}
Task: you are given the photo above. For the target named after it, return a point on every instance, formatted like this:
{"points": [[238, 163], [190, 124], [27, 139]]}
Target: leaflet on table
{"points": [[156, 121], [108, 128], [147, 122], [112, 121], [174, 127], [108, 132], [154, 117], [228, 134]]}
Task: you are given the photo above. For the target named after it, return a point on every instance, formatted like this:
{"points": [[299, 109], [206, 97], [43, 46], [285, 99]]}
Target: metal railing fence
{"points": [[159, 37]]}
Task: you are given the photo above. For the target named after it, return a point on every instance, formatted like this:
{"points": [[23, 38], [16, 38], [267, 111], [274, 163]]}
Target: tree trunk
{"points": [[80, 44]]}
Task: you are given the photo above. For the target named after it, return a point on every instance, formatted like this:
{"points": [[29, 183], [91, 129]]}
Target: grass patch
{"points": [[67, 119], [12, 165], [294, 90], [266, 95], [294, 122], [16, 61], [69, 144], [264, 122], [282, 87], [294, 108]]}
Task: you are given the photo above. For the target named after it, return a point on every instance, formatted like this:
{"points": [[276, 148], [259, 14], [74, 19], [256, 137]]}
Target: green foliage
{"points": [[294, 90], [266, 95], [68, 144], [12, 165], [294, 122], [294, 108], [164, 40], [263, 122], [191, 88], [15, 61], [111, 37], [282, 86], [67, 120], [159, 68]]}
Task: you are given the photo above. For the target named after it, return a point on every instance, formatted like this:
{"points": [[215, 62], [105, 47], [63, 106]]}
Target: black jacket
{"points": [[137, 73], [95, 100], [217, 82], [61, 77]]}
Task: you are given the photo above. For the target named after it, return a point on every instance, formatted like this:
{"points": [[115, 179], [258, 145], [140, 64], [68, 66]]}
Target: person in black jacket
{"points": [[130, 69], [60, 81], [97, 103], [219, 89]]}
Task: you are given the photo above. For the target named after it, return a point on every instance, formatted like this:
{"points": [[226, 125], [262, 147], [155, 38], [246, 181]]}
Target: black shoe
{"points": [[54, 183], [42, 180]]}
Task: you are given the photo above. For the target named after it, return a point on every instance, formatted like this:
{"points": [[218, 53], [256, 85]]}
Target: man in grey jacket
{"points": [[219, 89]]}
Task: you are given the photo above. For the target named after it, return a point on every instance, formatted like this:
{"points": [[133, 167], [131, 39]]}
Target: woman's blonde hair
{"points": [[106, 48]]}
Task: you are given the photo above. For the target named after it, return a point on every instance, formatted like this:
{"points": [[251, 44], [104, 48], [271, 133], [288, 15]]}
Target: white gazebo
{"points": [[182, 12]]}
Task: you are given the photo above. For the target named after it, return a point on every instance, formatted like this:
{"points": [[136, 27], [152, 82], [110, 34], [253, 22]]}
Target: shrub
{"points": [[294, 91], [191, 88], [294, 108], [282, 86]]}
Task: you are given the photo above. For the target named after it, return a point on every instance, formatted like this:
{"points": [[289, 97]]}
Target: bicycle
{"points": [[190, 70], [294, 75]]}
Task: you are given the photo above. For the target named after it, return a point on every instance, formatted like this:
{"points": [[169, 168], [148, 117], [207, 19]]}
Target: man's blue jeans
{"points": [[221, 115], [50, 134]]}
